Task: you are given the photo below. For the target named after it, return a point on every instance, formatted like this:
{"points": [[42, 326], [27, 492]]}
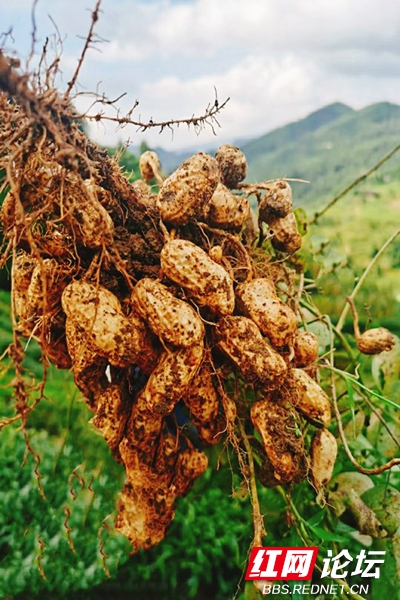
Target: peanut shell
{"points": [[282, 440], [201, 397], [257, 299], [276, 203], [108, 332], [186, 194], [286, 236], [323, 453], [112, 413], [232, 164], [226, 210], [149, 165], [240, 339], [207, 282], [305, 348], [308, 397], [191, 464], [171, 319], [171, 378], [89, 220], [375, 341], [144, 425]]}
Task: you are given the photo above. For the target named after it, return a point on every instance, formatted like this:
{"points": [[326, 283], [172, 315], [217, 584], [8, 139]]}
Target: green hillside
{"points": [[329, 148]]}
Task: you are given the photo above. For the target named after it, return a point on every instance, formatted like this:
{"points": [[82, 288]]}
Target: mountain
{"points": [[292, 132], [329, 148]]}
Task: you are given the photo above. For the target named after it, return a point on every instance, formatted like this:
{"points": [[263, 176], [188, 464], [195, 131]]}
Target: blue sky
{"points": [[278, 60]]}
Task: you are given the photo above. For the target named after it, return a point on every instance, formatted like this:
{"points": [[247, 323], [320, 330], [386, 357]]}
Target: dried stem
{"points": [[208, 118], [258, 521], [360, 468], [355, 183], [355, 316], [88, 41], [363, 277]]}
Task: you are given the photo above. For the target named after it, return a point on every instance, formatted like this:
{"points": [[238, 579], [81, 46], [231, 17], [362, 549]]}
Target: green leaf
{"points": [[295, 595], [317, 518], [327, 536]]}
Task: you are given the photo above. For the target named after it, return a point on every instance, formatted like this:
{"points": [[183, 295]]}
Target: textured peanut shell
{"points": [[112, 413], [216, 254], [108, 332], [144, 195], [144, 513], [52, 340], [144, 425], [240, 339], [22, 269], [375, 341], [276, 203], [88, 367], [201, 397], [309, 398], [191, 464], [305, 348], [186, 194], [284, 449], [171, 319], [232, 164], [165, 456], [211, 432], [89, 220], [323, 453], [286, 236], [171, 378], [149, 165], [257, 300], [48, 281], [226, 210], [207, 282]]}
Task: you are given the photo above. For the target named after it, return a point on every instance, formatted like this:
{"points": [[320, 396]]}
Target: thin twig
{"points": [[208, 118], [258, 521], [363, 277], [360, 468], [355, 317], [355, 183], [88, 41]]}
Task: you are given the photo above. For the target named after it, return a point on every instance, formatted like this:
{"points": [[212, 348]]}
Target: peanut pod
{"points": [[171, 319], [286, 236], [171, 378], [186, 194], [240, 339], [232, 165], [99, 314], [257, 299], [282, 439], [112, 413], [226, 210], [308, 397], [207, 282], [323, 453]]}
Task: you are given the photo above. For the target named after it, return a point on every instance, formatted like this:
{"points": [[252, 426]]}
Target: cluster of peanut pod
{"points": [[170, 327]]}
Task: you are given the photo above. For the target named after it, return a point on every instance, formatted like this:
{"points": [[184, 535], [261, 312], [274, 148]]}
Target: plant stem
{"points": [[258, 521], [355, 183], [363, 277]]}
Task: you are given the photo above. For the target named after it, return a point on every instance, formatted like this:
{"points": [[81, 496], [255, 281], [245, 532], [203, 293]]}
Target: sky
{"points": [[277, 60]]}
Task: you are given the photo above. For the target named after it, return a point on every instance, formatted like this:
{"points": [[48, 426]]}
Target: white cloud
{"points": [[276, 59]]}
